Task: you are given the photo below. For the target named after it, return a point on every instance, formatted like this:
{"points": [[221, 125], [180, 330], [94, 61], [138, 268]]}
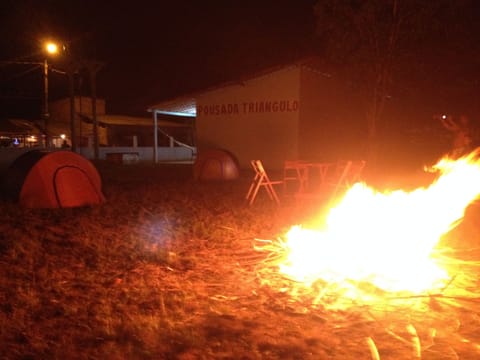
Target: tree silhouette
{"points": [[377, 42]]}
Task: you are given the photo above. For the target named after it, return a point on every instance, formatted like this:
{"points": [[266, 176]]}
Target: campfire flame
{"points": [[386, 239]]}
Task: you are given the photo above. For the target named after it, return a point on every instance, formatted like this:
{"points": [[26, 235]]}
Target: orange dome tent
{"points": [[215, 164], [53, 179]]}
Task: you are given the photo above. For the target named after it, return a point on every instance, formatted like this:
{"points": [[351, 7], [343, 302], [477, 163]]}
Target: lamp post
{"points": [[50, 48]]}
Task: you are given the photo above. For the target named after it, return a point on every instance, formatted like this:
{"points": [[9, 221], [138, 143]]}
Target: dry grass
{"points": [[167, 269]]}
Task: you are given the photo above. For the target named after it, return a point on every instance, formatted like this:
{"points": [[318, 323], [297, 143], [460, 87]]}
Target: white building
{"points": [[291, 112]]}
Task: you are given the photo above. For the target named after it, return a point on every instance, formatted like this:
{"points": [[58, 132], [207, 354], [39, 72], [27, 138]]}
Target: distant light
{"points": [[444, 116], [63, 136], [51, 48]]}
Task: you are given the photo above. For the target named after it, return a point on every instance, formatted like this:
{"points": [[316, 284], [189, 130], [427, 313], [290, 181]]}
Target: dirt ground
{"points": [[169, 268]]}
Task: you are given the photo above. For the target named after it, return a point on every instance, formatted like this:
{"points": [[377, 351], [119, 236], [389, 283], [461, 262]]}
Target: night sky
{"points": [[156, 50], [151, 50]]}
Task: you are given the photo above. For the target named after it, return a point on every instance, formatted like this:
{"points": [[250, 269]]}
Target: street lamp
{"points": [[50, 48]]}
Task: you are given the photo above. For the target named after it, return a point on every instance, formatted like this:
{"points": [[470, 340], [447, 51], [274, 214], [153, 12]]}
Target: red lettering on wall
{"points": [[254, 107]]}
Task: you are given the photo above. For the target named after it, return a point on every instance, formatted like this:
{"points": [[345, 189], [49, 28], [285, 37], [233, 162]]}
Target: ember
{"points": [[386, 240]]}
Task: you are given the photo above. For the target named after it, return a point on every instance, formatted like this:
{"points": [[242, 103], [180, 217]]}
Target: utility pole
{"points": [[93, 68], [45, 114], [73, 68], [71, 93], [50, 48]]}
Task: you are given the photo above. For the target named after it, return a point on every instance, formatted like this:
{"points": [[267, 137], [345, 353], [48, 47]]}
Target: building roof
{"points": [[186, 105], [123, 120], [18, 127], [181, 106]]}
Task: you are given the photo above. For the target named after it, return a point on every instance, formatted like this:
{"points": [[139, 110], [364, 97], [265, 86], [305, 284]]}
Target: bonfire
{"points": [[380, 254]]}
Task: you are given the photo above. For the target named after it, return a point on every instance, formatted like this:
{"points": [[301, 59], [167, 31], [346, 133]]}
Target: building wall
{"points": [[60, 118], [332, 120], [257, 119]]}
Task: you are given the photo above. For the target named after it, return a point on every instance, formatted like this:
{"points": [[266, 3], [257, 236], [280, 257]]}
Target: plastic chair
{"points": [[261, 179], [347, 174], [340, 179], [297, 171]]}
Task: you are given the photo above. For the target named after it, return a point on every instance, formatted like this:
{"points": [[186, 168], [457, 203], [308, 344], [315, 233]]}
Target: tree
{"points": [[374, 41]]}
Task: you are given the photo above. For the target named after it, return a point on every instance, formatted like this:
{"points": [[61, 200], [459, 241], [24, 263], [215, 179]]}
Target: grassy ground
{"points": [[166, 269]]}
